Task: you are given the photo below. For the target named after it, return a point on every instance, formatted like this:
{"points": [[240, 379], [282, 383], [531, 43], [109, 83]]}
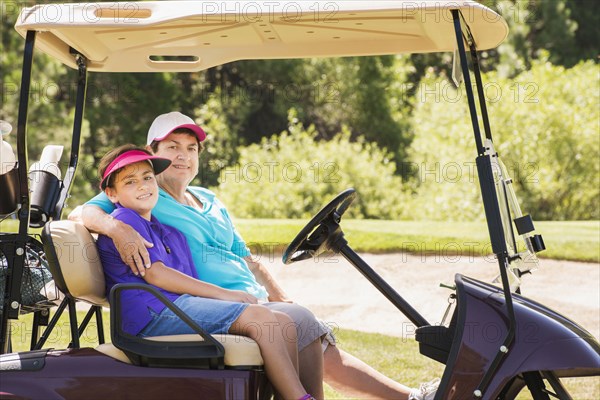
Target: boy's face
{"points": [[135, 188]]}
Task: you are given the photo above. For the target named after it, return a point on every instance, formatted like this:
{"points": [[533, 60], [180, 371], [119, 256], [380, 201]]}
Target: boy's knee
{"points": [[283, 318], [257, 318], [302, 316], [286, 325], [260, 313]]}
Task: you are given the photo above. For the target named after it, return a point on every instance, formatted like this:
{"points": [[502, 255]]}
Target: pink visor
{"points": [[131, 157], [192, 127]]}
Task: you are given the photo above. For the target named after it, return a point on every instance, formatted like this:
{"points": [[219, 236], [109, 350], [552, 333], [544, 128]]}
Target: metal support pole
{"points": [[86, 320], [488, 192], [12, 295], [100, 325], [76, 137], [510, 335], [73, 324], [51, 325], [467, 78], [480, 92]]}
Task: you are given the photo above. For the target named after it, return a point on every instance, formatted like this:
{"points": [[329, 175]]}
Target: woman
{"points": [[218, 250]]}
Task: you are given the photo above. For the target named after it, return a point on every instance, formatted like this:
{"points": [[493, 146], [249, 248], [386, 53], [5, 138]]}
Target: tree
{"points": [[566, 29], [586, 14], [545, 127], [292, 174], [121, 107]]}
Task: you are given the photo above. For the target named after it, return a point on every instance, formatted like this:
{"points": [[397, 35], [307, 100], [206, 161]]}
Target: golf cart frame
{"points": [[473, 370]]}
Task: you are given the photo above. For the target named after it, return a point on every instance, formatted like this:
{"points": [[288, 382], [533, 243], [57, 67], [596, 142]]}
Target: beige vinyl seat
{"points": [[75, 265]]}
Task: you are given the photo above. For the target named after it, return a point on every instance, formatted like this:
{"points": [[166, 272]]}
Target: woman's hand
{"points": [[129, 243], [131, 247]]}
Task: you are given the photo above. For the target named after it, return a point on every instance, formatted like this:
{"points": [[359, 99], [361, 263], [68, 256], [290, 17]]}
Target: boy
{"points": [[128, 179]]}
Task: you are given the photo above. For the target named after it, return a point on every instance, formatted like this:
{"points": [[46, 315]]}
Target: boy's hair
{"points": [[184, 131], [111, 156]]}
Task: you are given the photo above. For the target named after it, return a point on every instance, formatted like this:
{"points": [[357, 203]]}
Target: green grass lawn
{"points": [[565, 240], [396, 357]]}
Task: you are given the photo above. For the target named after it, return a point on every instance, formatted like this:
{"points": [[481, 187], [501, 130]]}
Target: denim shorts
{"points": [[214, 316]]}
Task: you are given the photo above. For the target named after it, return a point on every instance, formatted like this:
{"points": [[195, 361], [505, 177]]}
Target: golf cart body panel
{"points": [[88, 374], [193, 36], [544, 340]]}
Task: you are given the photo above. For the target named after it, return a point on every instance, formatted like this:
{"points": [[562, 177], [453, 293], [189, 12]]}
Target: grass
{"points": [[565, 240], [60, 336], [395, 357]]}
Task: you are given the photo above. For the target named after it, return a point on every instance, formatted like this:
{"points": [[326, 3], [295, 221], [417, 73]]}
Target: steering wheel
{"points": [[315, 237]]}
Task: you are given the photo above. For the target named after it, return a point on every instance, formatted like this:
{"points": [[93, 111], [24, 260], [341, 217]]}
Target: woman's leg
{"points": [[311, 368], [352, 377], [261, 325]]}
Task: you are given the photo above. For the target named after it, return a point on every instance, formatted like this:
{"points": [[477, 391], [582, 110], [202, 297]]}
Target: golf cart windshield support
{"points": [[16, 244], [468, 36], [467, 77], [76, 140], [488, 189]]}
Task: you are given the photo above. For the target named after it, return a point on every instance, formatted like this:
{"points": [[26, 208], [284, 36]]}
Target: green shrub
{"points": [[292, 175], [220, 141], [545, 127]]}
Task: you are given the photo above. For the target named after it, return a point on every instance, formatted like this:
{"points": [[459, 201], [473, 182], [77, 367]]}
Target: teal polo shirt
{"points": [[217, 248]]}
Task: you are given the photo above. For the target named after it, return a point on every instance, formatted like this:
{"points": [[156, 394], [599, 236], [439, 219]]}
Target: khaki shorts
{"points": [[308, 327]]}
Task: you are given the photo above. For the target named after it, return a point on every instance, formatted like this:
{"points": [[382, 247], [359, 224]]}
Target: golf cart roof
{"points": [[196, 35]]}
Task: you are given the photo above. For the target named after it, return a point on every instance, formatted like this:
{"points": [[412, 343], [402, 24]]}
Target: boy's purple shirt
{"points": [[170, 247]]}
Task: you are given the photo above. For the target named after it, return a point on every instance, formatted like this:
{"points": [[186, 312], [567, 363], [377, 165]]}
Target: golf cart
{"points": [[191, 36]]}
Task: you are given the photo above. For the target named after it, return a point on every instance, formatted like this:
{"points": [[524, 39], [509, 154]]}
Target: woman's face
{"points": [[183, 151]]}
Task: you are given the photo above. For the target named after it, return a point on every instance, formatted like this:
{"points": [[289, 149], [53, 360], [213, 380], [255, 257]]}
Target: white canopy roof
{"points": [[160, 36]]}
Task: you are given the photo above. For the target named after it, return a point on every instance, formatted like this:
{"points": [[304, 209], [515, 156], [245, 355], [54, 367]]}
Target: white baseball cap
{"points": [[165, 124]]}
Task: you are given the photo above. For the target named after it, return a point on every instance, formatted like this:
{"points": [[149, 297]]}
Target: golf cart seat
{"points": [[75, 266]]}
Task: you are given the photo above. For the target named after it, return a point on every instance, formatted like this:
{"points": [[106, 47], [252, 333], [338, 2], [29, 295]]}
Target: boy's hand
{"points": [[264, 277], [239, 296], [132, 248]]}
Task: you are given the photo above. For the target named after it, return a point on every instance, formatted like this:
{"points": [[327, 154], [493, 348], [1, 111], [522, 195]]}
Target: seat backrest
{"points": [[74, 262]]}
